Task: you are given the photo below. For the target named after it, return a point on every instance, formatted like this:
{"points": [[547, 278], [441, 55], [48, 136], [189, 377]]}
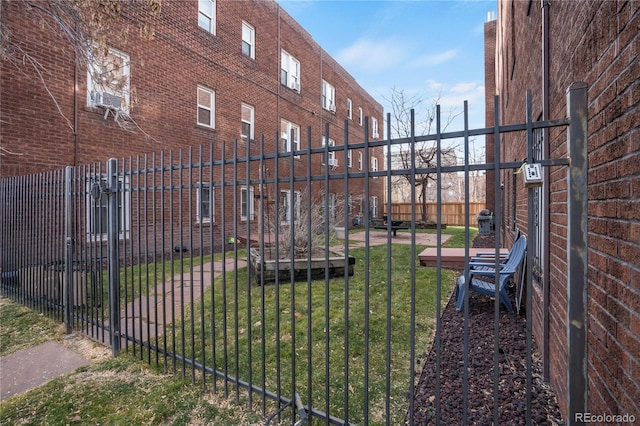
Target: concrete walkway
{"points": [[33, 367]]}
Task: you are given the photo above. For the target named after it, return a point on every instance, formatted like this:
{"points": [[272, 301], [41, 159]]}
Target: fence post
{"points": [[577, 284], [113, 193], [68, 263]]}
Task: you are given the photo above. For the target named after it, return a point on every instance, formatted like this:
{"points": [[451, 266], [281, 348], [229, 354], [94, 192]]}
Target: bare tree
{"points": [[83, 25], [301, 228], [424, 154]]}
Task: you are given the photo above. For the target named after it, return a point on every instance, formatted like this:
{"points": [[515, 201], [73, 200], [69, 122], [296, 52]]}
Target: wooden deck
{"points": [[451, 258]]}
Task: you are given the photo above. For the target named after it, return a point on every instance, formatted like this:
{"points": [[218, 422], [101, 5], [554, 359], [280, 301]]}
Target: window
{"points": [[328, 97], [246, 204], [359, 161], [96, 212], [247, 122], [289, 207], [360, 117], [374, 166], [374, 206], [332, 154], [205, 203], [248, 40], [374, 128], [349, 109], [349, 158], [108, 80], [290, 136], [206, 104], [290, 72], [207, 15]]}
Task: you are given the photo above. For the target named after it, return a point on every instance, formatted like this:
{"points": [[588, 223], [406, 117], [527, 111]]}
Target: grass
{"points": [[295, 322], [21, 328], [113, 391], [267, 342]]}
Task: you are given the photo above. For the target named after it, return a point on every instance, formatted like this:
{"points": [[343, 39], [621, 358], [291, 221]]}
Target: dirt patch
{"points": [[512, 360]]}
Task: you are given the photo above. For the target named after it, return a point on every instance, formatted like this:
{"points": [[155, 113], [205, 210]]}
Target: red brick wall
{"points": [[165, 72], [598, 43]]}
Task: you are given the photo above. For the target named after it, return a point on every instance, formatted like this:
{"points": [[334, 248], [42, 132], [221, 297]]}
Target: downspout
{"points": [[75, 105], [545, 191]]}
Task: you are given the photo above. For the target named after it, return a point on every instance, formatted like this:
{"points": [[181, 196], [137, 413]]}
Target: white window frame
{"points": [[250, 120], [374, 166], [209, 15], [249, 39], [286, 145], [349, 158], [360, 116], [288, 207], [200, 218], [359, 160], [246, 204], [349, 109], [211, 108], [289, 71], [328, 96], [106, 68], [374, 128], [332, 154], [374, 206], [124, 208]]}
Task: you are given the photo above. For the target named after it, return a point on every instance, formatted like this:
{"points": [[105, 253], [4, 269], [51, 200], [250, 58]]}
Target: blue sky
{"points": [[426, 48]]}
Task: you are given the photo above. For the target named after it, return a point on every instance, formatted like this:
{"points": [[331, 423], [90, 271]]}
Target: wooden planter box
{"points": [[337, 265]]}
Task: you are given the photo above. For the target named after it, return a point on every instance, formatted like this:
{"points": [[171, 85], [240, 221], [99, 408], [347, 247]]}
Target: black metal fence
{"points": [[150, 254]]}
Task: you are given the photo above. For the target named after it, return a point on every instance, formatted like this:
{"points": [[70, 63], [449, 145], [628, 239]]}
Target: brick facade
{"points": [[598, 43], [165, 72]]}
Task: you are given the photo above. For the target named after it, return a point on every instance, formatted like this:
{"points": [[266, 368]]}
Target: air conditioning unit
{"points": [[106, 100], [333, 162], [295, 86], [332, 107]]}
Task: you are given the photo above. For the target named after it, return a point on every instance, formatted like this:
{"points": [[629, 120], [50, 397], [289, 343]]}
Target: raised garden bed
{"points": [[265, 268]]}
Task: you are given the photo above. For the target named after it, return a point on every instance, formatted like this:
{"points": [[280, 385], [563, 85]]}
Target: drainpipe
{"points": [[545, 189], [75, 105]]}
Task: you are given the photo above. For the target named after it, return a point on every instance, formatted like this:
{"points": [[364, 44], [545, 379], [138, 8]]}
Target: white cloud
{"points": [[372, 55], [435, 59], [464, 87]]}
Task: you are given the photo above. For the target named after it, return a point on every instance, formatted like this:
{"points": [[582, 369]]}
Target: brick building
{"points": [[545, 47], [214, 71]]}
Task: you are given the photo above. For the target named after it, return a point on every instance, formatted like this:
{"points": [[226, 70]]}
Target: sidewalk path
{"points": [[32, 367]]}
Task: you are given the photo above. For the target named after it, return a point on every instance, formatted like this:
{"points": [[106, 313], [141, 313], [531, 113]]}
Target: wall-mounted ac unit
{"points": [[333, 162], [106, 100], [295, 86], [332, 107]]}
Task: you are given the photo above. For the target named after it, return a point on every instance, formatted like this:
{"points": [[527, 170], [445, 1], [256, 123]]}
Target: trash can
{"points": [[485, 222]]}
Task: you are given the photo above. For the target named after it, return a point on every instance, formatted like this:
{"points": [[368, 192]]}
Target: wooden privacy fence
{"points": [[452, 213]]}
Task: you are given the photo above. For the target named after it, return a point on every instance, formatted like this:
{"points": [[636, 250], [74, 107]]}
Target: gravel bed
{"points": [[512, 359]]}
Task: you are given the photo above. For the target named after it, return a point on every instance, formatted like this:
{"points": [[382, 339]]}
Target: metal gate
{"points": [[168, 256]]}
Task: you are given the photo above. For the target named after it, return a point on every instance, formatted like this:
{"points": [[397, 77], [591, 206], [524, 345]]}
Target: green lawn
{"points": [[310, 322]]}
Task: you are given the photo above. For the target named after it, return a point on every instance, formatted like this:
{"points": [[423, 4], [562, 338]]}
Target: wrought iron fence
{"points": [[149, 254]]}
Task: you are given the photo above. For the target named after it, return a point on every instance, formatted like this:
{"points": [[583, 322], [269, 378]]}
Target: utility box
{"points": [[485, 222]]}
